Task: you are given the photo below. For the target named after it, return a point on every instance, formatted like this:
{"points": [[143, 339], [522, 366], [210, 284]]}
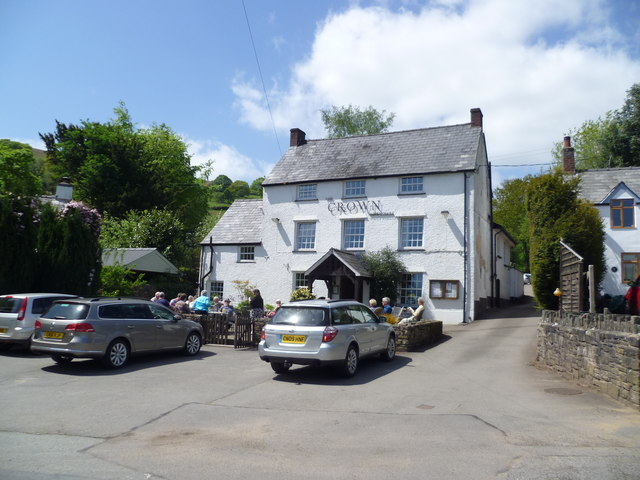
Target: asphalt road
{"points": [[472, 407]]}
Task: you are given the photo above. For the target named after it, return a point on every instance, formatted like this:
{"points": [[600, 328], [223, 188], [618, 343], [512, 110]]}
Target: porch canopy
{"points": [[342, 272]]}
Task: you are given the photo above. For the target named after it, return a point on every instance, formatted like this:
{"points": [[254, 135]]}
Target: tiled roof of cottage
{"points": [[596, 184], [241, 224], [428, 150]]}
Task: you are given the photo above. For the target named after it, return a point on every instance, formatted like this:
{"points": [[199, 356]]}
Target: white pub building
{"points": [[424, 193]]}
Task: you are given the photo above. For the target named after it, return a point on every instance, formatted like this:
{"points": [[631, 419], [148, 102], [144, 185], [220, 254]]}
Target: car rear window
{"points": [[10, 304], [40, 305], [67, 310], [302, 316]]}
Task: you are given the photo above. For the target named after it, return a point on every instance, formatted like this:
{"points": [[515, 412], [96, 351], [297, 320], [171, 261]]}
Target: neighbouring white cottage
{"points": [[615, 192], [424, 193]]}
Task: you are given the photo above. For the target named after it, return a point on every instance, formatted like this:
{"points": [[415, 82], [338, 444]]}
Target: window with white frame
{"points": [[217, 288], [353, 234], [247, 253], [412, 185], [306, 236], [307, 192], [446, 289], [411, 232], [410, 288], [299, 280], [355, 188]]}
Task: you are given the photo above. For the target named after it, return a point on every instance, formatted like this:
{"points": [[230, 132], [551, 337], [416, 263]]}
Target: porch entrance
{"points": [[343, 273]]}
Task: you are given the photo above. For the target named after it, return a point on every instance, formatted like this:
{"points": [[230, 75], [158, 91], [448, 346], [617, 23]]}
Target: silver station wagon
{"points": [[111, 329], [325, 332]]}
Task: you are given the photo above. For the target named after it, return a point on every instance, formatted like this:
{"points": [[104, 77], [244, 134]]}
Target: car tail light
{"points": [[80, 327], [23, 309], [329, 334], [38, 324], [262, 335]]}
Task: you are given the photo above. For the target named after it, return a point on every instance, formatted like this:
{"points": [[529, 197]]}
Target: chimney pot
{"points": [[568, 157], [297, 137], [476, 117]]}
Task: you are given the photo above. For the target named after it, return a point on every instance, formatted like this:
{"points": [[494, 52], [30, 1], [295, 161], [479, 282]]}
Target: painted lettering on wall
{"points": [[370, 207]]}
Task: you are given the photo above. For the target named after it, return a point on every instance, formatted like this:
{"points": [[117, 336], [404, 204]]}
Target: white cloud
{"points": [[535, 71], [226, 160]]}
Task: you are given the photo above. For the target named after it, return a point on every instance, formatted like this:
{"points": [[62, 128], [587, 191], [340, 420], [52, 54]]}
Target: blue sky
{"points": [[536, 69]]}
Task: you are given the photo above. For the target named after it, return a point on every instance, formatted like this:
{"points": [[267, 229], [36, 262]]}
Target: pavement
{"points": [[474, 406]]}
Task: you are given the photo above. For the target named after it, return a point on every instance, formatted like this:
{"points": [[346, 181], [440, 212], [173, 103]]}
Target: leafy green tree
{"points": [[256, 187], [609, 142], [556, 213], [221, 183], [351, 120], [239, 189], [509, 210], [117, 168], [386, 270], [16, 169], [116, 280], [18, 232]]}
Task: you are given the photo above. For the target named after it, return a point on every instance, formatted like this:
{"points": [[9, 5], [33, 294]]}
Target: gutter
{"points": [[466, 251], [201, 280]]}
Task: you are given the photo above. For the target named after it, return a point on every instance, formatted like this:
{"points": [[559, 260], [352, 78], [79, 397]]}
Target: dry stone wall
{"points": [[596, 350]]}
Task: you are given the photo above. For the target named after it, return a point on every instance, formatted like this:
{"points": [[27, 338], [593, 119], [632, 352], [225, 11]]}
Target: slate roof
{"points": [[349, 259], [241, 224], [138, 259], [596, 184], [410, 152]]}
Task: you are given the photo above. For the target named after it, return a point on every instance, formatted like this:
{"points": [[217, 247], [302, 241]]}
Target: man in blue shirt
{"points": [[201, 305]]}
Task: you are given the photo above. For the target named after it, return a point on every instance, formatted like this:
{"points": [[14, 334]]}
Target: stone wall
{"points": [[596, 350], [415, 335]]}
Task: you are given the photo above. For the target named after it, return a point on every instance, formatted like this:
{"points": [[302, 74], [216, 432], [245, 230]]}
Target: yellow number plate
{"points": [[57, 335], [294, 338], [3, 330]]}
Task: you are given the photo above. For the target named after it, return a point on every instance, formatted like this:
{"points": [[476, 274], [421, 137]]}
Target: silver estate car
{"points": [[325, 332], [111, 329], [18, 315]]}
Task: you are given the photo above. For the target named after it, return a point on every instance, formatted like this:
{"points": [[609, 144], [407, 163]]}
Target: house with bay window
{"points": [[615, 192], [424, 193]]}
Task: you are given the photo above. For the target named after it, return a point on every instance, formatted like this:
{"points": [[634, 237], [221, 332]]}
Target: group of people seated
{"points": [[184, 303], [407, 314]]}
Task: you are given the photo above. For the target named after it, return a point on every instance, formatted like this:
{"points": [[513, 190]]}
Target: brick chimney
{"points": [[297, 138], [476, 117], [568, 157]]}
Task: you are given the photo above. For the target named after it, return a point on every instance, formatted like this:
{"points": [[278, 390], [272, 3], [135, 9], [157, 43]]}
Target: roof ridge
{"points": [[388, 133]]}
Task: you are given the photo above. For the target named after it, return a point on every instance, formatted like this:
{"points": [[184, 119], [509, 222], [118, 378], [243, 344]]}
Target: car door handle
{"points": [[131, 326]]}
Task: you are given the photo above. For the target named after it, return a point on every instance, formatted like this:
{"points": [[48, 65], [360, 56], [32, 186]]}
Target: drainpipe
{"points": [[466, 252], [201, 282], [494, 268]]}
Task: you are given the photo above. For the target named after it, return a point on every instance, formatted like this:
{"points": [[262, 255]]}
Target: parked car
{"points": [[112, 329], [325, 332], [526, 278], [18, 314]]}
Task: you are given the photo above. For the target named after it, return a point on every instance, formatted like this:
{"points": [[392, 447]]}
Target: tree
{"points": [[18, 231], [556, 213], [351, 120], [256, 187], [17, 176], [117, 168], [116, 280], [221, 183], [386, 270], [509, 210], [609, 142], [239, 189]]}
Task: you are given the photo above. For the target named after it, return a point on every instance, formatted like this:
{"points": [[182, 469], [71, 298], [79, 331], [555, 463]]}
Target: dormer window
{"points": [[622, 213]]}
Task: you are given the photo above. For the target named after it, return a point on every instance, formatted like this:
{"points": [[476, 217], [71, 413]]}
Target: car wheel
{"points": [[61, 359], [193, 344], [280, 367], [350, 364], [117, 354], [390, 352]]}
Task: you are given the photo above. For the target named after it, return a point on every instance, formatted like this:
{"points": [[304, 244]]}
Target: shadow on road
{"points": [[92, 368]]}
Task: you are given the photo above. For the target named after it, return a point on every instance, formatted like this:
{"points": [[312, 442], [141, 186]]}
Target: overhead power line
{"points": [[255, 53]]}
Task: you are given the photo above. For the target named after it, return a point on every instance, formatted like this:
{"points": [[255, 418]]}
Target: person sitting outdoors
{"points": [[373, 304], [163, 301], [201, 305], [227, 307], [181, 305], [416, 314], [216, 305], [386, 305]]}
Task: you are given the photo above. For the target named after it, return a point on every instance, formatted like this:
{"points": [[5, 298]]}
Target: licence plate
{"points": [[57, 335], [294, 338], [3, 330]]}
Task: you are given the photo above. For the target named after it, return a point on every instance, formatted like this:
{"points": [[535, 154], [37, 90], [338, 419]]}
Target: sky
{"points": [[232, 77]]}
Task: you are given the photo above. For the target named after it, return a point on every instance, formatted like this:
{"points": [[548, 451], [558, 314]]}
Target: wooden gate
{"points": [[243, 332], [571, 280], [219, 329]]}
